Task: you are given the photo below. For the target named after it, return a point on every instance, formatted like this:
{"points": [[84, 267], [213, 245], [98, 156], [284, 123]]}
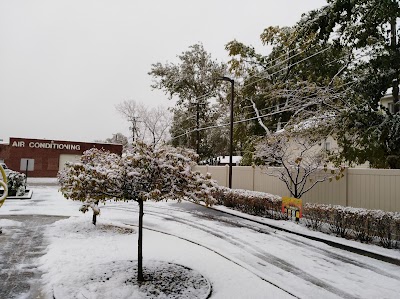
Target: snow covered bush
{"points": [[360, 224], [353, 223], [16, 183], [340, 220], [386, 228], [316, 215], [145, 172], [251, 202]]}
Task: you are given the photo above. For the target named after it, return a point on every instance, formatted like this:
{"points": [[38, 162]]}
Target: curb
{"points": [[27, 195]]}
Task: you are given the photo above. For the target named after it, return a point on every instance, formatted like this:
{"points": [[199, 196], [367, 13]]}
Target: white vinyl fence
{"points": [[362, 188]]}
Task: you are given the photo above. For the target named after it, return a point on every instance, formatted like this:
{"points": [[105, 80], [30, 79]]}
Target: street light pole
{"points": [[197, 128], [231, 127]]}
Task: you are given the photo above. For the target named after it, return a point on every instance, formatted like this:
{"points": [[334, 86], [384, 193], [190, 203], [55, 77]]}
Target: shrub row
{"points": [[352, 223], [251, 202], [355, 223]]}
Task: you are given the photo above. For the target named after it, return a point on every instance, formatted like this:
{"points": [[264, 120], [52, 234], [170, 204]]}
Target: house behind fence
{"points": [[376, 189]]}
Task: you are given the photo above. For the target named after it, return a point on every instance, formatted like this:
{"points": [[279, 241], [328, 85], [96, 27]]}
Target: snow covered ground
{"points": [[240, 258]]}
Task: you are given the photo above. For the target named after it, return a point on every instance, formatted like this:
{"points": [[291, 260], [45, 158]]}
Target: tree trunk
{"points": [[94, 218], [140, 242]]}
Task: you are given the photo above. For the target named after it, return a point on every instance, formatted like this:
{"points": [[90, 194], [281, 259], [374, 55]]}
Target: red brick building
{"points": [[43, 157]]}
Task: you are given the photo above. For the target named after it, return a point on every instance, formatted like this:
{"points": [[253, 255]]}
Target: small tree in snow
{"points": [[294, 154], [148, 125], [144, 173], [131, 111], [297, 160], [156, 124]]}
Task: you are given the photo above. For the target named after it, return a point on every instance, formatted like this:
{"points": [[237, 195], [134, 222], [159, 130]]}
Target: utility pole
{"points": [[198, 127], [231, 127], [393, 44], [134, 127], [197, 124]]}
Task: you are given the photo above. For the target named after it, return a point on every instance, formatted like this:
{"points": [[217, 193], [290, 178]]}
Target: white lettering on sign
{"points": [[18, 144], [48, 145], [53, 145]]}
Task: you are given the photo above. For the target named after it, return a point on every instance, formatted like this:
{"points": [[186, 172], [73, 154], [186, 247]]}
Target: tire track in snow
{"points": [[218, 253], [253, 250], [262, 255], [293, 240], [339, 257]]}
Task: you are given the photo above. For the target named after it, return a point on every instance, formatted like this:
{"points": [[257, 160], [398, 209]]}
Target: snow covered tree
{"points": [[148, 125], [269, 81], [193, 82], [294, 154], [131, 110], [156, 123], [297, 159], [143, 173], [369, 28], [305, 102], [118, 138]]}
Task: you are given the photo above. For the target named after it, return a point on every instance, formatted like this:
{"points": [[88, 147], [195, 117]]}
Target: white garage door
{"points": [[67, 158]]}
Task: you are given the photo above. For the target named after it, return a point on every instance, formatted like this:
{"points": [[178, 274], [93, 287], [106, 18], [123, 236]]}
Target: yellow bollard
{"points": [[3, 183]]}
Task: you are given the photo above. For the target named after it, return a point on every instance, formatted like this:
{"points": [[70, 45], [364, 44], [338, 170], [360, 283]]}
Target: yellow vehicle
{"points": [[3, 183]]}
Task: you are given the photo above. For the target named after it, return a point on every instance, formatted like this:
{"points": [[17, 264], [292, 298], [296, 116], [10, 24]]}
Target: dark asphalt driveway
{"points": [[20, 247]]}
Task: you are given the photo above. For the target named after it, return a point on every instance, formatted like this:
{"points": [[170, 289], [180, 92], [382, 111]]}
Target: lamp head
{"points": [[224, 78]]}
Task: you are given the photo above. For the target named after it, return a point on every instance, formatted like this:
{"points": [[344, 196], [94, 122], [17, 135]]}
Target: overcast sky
{"points": [[65, 64]]}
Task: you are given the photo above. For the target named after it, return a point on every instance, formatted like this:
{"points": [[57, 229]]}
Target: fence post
{"points": [[227, 176], [347, 186], [254, 177]]}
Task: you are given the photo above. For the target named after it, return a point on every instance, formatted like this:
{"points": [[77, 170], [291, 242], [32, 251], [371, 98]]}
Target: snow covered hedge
{"points": [[355, 223], [352, 223], [250, 202]]}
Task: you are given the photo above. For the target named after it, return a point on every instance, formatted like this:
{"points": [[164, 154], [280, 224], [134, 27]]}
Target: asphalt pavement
{"points": [[22, 245], [20, 248]]}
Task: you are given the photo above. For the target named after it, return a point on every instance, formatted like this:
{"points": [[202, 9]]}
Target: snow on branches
{"points": [[145, 172], [296, 159], [142, 173]]}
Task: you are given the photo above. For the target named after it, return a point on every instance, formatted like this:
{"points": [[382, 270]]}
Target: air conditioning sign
{"points": [[47, 145]]}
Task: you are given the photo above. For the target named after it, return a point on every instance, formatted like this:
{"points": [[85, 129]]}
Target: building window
{"points": [[27, 164]]}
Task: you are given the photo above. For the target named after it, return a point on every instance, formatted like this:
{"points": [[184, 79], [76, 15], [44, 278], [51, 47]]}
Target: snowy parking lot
{"points": [[240, 258]]}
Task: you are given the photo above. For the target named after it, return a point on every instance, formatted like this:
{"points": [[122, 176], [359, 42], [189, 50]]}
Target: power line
{"points": [[213, 93], [252, 118], [285, 68], [360, 56], [309, 57], [269, 108]]}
